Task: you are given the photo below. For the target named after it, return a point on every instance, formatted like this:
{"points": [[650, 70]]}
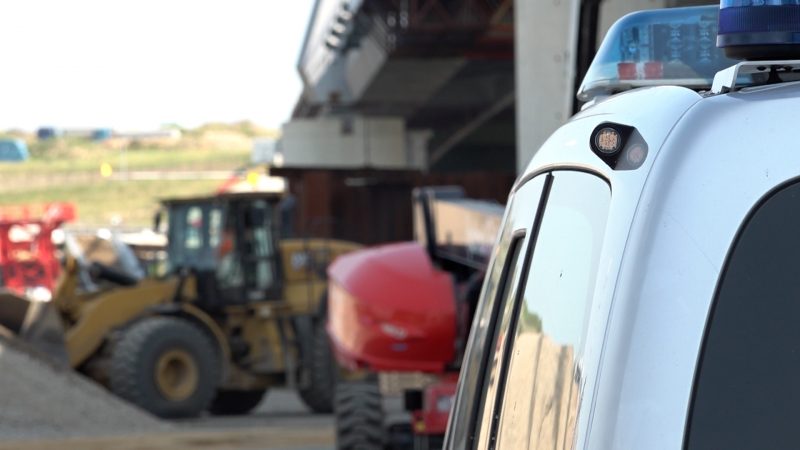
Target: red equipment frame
{"points": [[437, 402], [27, 253]]}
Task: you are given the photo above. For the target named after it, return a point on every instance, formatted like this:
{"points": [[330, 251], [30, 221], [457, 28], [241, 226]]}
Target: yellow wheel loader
{"points": [[238, 312]]}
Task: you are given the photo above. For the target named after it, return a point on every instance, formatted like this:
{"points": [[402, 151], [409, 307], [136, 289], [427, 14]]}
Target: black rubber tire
{"points": [[321, 372], [359, 416], [134, 357], [232, 403]]}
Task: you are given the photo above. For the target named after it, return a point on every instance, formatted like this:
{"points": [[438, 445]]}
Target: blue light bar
{"points": [[674, 46], [760, 29]]}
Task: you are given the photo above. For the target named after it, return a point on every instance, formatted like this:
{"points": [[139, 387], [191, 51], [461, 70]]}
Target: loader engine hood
{"points": [[391, 309]]}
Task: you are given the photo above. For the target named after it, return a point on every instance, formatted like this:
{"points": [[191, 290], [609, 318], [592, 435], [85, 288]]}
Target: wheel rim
{"points": [[176, 375]]}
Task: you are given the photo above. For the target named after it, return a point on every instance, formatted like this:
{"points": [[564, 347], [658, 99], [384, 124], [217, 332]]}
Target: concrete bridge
{"points": [[441, 86]]}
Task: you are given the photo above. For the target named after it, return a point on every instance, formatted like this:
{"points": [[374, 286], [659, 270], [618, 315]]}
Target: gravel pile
{"points": [[41, 400]]}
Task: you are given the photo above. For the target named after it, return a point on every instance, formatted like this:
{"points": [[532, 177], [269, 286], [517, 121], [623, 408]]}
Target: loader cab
{"points": [[643, 291], [229, 243]]}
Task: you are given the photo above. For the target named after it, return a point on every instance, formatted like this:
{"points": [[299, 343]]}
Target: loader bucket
{"points": [[34, 323]]}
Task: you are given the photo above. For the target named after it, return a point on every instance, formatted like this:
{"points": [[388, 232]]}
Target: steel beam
{"points": [[432, 14], [468, 128], [502, 12]]}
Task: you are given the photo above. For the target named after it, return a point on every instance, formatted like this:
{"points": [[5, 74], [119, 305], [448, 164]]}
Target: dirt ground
{"points": [[247, 438], [281, 422]]}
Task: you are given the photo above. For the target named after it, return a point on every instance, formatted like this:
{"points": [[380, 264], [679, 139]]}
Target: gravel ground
{"points": [[43, 401], [281, 422], [239, 439]]}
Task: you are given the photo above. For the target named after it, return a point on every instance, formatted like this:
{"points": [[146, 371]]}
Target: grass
{"points": [[146, 159], [69, 170], [130, 203]]}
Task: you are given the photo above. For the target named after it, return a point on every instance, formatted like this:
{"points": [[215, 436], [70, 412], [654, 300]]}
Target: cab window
{"points": [[259, 243], [191, 238], [194, 228], [247, 254], [746, 391]]}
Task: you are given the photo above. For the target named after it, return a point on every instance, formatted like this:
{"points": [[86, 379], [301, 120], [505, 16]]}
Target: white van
{"points": [[645, 290]]}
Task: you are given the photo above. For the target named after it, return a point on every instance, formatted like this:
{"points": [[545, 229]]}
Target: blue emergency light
{"points": [[759, 29], [675, 46]]}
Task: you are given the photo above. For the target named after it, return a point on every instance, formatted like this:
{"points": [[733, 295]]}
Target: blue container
{"points": [[13, 150], [45, 133], [101, 134]]}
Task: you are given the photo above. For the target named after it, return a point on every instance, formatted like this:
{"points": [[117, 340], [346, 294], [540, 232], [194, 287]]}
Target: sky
{"points": [[138, 64]]}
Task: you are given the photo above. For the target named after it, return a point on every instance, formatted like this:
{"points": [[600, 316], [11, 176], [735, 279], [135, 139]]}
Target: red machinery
{"points": [[408, 307], [391, 309], [27, 253]]}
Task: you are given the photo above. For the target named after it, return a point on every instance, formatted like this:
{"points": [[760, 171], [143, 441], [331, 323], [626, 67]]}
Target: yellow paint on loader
{"points": [[256, 338]]}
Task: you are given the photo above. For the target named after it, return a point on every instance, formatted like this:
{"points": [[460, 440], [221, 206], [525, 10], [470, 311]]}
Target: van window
{"points": [[747, 393], [538, 406], [499, 336], [528, 391], [487, 335]]}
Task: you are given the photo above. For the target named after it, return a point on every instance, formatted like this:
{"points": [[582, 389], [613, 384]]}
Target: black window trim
{"points": [[504, 364], [517, 238]]}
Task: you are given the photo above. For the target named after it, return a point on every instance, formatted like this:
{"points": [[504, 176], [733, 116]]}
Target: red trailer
{"points": [[408, 307], [28, 261]]}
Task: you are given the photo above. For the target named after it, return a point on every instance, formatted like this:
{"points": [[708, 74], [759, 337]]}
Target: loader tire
{"points": [[318, 393], [232, 403], [166, 366], [359, 416]]}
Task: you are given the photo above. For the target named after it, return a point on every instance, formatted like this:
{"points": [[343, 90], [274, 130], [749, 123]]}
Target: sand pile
{"points": [[41, 400]]}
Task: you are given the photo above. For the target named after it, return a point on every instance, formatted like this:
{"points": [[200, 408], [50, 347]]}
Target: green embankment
{"points": [[69, 170]]}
